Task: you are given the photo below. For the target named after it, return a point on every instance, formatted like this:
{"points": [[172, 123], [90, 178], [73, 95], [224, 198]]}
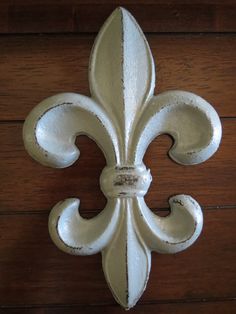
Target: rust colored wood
{"points": [[34, 271], [219, 307], [36, 67], [39, 188], [88, 16]]}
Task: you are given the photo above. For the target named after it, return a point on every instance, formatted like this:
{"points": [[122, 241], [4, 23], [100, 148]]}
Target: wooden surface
{"points": [[194, 49], [219, 307], [38, 188], [204, 64], [77, 16], [35, 271]]}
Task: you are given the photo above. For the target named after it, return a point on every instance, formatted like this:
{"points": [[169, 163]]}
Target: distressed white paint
{"points": [[123, 117]]}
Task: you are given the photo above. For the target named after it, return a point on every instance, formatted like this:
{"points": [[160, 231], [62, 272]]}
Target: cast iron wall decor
{"points": [[123, 117]]}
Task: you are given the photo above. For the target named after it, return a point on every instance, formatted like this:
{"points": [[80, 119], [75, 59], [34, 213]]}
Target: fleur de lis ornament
{"points": [[123, 117]]}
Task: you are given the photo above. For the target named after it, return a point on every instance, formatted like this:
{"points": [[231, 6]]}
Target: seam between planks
{"points": [[83, 34], [94, 211], [168, 301]]}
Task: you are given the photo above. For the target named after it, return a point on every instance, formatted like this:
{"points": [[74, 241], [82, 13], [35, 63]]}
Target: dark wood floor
{"points": [[44, 49]]}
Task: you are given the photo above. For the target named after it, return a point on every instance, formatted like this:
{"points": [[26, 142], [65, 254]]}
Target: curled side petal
{"points": [[78, 236], [175, 232], [51, 128], [189, 119]]}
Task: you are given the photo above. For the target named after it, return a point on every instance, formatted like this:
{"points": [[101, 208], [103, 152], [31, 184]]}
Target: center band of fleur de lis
{"points": [[123, 116]]}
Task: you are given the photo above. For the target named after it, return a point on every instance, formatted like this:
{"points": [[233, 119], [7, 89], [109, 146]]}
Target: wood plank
{"points": [[218, 307], [36, 67], [88, 16], [26, 185], [33, 271]]}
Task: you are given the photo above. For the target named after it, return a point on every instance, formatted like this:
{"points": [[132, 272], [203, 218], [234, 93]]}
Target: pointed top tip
{"points": [[121, 10]]}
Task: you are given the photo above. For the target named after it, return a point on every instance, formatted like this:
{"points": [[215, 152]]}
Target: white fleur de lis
{"points": [[123, 117]]}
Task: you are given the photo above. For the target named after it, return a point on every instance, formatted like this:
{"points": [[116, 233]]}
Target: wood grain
{"points": [[35, 277], [88, 16], [26, 185], [219, 307], [36, 67], [34, 271]]}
